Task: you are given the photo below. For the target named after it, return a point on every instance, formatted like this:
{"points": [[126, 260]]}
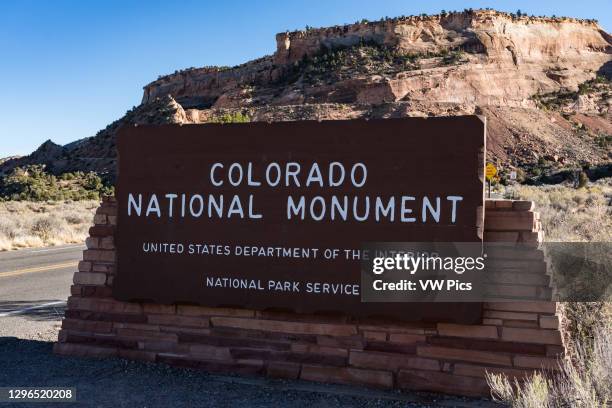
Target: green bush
{"points": [[342, 62], [583, 180], [33, 183], [235, 117]]}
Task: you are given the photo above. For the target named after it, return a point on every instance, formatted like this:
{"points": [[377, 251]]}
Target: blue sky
{"points": [[68, 68]]}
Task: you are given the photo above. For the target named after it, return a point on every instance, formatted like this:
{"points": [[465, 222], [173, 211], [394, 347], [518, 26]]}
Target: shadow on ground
{"points": [[121, 383], [47, 313]]}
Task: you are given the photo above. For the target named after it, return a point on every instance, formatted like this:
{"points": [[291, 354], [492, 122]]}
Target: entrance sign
{"points": [[274, 215]]}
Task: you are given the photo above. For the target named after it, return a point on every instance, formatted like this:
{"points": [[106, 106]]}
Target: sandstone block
{"points": [[533, 307], [285, 327], [471, 370], [341, 375], [469, 331], [530, 237], [136, 326], [107, 243], [188, 310], [350, 342], [447, 353], [100, 219], [554, 351], [210, 352], [492, 322], [92, 242], [518, 278], [393, 328], [536, 362], [147, 334], [389, 361], [96, 291], [494, 314], [89, 278], [101, 231], [189, 330], [538, 336], [87, 325], [176, 320], [156, 308], [501, 236], [500, 204], [375, 335], [442, 382], [549, 322], [99, 255], [317, 349], [158, 345], [510, 221], [104, 268], [406, 338], [238, 367], [103, 305], [520, 205], [521, 324]]}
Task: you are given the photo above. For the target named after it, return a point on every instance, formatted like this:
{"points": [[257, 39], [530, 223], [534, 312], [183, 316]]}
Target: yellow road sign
{"points": [[490, 171]]}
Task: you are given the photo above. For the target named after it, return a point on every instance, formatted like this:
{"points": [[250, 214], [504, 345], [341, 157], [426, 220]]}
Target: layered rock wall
{"points": [[506, 61]]}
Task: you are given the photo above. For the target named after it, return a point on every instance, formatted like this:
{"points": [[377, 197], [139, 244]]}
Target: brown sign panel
{"points": [[273, 215]]}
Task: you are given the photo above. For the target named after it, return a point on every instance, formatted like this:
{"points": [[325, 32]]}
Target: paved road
{"points": [[34, 286]]}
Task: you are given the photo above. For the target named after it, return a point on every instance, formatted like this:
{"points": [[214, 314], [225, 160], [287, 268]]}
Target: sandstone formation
{"points": [[507, 60], [544, 84]]}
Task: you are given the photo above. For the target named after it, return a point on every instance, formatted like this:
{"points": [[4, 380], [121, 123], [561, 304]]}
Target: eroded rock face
{"points": [[531, 77], [505, 60]]}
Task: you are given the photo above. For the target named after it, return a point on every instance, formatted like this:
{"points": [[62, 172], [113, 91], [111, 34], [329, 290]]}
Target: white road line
{"points": [[27, 309], [57, 249]]}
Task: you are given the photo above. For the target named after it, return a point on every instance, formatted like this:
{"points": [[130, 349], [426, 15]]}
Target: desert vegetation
{"points": [[584, 378], [26, 224], [38, 208], [368, 57], [600, 86], [582, 381], [571, 214], [232, 117], [34, 183]]}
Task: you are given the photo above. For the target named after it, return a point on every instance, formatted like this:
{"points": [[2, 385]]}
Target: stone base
{"points": [[514, 338]]}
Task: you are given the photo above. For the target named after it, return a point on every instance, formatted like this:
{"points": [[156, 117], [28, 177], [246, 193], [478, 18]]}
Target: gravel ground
{"points": [[39, 324], [121, 383]]}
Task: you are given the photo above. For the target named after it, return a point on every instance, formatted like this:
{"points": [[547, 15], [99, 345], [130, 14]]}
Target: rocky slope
{"points": [[543, 84]]}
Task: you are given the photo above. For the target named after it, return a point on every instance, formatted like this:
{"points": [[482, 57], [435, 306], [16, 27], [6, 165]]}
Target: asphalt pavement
{"points": [[34, 286]]}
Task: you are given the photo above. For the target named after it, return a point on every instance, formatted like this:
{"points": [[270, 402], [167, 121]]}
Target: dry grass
{"points": [[584, 382], [26, 224], [585, 376], [569, 214]]}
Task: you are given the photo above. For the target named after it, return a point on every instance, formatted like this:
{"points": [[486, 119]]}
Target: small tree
{"points": [[583, 180]]}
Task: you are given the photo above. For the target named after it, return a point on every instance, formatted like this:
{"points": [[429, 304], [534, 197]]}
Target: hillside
{"points": [[543, 83]]}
